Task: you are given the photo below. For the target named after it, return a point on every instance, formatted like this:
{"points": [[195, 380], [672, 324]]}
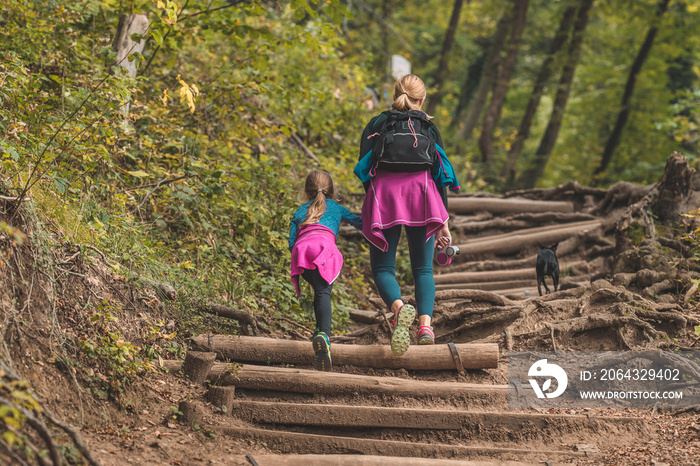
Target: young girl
{"points": [[315, 256]]}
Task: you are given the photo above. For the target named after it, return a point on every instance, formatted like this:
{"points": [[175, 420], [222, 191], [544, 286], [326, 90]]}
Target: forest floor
{"points": [[619, 292]]}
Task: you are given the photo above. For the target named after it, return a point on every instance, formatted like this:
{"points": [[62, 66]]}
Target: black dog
{"points": [[547, 264]]}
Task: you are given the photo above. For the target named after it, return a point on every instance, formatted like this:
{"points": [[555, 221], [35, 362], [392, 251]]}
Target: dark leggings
{"points": [[421, 255], [322, 299]]}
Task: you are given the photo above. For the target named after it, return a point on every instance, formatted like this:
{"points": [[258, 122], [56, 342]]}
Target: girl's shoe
{"points": [[322, 348], [426, 335], [400, 339]]}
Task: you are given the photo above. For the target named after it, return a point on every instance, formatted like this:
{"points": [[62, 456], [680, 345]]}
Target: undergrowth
{"points": [[195, 192]]}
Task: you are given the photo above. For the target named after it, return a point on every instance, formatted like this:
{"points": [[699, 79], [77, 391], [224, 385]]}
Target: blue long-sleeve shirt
{"points": [[331, 218]]}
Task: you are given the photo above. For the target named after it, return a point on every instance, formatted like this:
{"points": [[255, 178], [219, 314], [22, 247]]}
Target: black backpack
{"points": [[405, 142]]}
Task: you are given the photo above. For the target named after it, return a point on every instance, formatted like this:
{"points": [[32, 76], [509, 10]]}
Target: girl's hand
{"points": [[442, 238]]}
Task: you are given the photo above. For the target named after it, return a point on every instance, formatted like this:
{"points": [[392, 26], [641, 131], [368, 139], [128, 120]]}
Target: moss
{"points": [[636, 233]]}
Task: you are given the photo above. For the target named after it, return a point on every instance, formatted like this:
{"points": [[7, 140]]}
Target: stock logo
{"points": [[543, 369]]}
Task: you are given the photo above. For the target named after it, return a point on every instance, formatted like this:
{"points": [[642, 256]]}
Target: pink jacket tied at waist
{"points": [[315, 248], [399, 198]]}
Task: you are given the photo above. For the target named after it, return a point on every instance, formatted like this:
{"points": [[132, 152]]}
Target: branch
{"points": [[204, 12], [162, 182], [389, 28], [149, 185], [104, 258], [295, 137], [15, 199]]}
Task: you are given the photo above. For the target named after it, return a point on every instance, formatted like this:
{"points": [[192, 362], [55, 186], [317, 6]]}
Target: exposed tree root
{"points": [[473, 295], [507, 315], [596, 321], [460, 315]]}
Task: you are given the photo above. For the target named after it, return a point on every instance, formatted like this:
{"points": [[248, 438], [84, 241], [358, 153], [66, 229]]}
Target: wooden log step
{"points": [[497, 275], [566, 247], [511, 284], [289, 442], [527, 220], [465, 205], [577, 227], [197, 365], [362, 460], [515, 241], [488, 276], [487, 286], [492, 426], [283, 379], [276, 351]]}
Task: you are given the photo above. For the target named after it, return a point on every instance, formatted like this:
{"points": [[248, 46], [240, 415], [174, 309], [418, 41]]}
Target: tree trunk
{"points": [[529, 178], [124, 46], [666, 200], [500, 89], [492, 62], [534, 102], [674, 190], [469, 83], [446, 47], [386, 14], [623, 115]]}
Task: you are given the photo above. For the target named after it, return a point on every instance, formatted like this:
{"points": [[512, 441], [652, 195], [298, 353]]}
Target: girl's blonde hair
{"points": [[409, 92], [319, 187]]}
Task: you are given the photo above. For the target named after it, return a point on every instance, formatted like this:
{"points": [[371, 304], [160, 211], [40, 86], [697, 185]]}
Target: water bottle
{"points": [[445, 256]]}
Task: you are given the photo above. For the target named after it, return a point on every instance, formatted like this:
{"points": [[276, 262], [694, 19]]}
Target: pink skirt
{"points": [[394, 198], [316, 249]]}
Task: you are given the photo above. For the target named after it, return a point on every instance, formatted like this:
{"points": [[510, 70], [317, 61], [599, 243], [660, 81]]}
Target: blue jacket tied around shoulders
{"points": [[443, 172]]}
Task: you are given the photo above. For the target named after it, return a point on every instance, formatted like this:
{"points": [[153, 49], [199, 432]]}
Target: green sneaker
{"points": [[400, 339], [322, 348]]}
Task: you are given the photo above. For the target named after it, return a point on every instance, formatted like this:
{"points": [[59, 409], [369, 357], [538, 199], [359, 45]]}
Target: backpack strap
{"points": [[382, 116]]}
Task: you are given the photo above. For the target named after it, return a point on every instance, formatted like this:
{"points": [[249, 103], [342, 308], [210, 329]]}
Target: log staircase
{"points": [[420, 409]]}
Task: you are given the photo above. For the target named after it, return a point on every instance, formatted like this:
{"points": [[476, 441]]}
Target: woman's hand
{"points": [[443, 238]]}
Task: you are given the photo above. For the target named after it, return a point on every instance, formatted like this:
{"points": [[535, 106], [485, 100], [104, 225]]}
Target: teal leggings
{"points": [[421, 255]]}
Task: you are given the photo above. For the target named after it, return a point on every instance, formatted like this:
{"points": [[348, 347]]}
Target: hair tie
{"points": [[405, 93]]}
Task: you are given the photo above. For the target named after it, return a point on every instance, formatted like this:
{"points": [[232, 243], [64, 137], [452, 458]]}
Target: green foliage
{"points": [[234, 102], [196, 185], [118, 359], [17, 402], [661, 120]]}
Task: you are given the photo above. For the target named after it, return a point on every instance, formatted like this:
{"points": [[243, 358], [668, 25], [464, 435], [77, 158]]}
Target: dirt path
{"points": [[629, 281], [487, 296]]}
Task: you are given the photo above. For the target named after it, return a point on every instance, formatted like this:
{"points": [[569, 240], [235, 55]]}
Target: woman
{"points": [[409, 198]]}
